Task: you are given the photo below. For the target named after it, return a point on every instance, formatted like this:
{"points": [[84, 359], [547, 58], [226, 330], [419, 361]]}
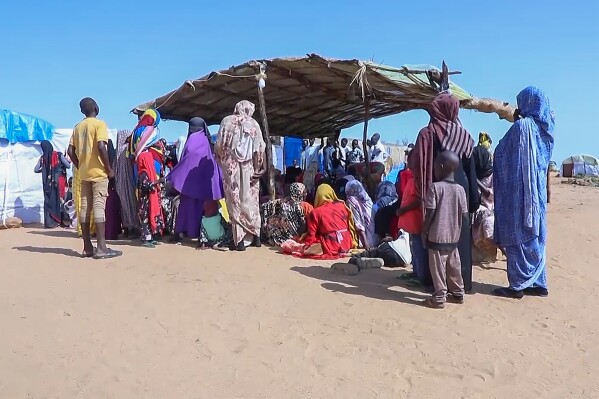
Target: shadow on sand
{"points": [[375, 283], [49, 250], [60, 233]]}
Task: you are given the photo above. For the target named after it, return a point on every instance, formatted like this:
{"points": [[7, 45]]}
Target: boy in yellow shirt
{"points": [[88, 150]]}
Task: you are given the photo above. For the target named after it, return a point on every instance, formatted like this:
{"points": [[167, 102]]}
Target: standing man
{"points": [[344, 150], [378, 152], [88, 149], [355, 155], [327, 154]]}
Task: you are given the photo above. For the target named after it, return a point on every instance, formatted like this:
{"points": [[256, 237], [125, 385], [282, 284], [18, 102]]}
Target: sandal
{"points": [[110, 254], [88, 255]]}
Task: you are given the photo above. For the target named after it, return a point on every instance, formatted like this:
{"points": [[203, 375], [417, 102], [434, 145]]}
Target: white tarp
{"points": [[21, 193]]}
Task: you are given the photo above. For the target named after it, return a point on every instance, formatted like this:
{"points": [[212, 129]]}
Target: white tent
{"points": [[21, 193], [586, 165]]}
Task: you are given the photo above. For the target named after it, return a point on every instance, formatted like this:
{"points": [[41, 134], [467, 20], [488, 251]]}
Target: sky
{"points": [[125, 53]]}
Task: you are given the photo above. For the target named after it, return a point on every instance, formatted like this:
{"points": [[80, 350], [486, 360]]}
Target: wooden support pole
{"points": [[266, 134], [365, 145]]}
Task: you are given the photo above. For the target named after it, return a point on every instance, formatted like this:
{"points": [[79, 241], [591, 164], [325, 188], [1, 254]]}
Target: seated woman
{"points": [[340, 186], [215, 232], [384, 209], [331, 230], [361, 207], [284, 219], [377, 170]]}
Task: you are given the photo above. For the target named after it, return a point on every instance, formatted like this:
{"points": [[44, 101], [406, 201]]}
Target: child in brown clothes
{"points": [[446, 207]]}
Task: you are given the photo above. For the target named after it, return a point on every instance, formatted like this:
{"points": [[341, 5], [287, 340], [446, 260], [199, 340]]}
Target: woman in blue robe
{"points": [[520, 180]]}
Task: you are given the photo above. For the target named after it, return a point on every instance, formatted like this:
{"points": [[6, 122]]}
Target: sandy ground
{"points": [[173, 322]]}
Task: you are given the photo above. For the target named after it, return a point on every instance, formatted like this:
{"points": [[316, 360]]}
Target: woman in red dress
{"points": [[331, 224]]}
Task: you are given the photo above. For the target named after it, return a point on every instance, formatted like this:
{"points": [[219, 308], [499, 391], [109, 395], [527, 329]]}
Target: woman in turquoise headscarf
{"points": [[520, 181]]}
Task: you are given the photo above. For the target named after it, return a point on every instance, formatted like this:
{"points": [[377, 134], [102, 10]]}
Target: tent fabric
{"points": [[19, 128], [21, 192], [575, 165]]}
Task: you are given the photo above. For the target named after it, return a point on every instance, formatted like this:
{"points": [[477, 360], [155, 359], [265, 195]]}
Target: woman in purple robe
{"points": [[197, 177]]}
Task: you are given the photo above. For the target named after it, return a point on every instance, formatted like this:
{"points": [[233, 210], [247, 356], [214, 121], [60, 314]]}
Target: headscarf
{"points": [[47, 151], [445, 127], [484, 140], [197, 124], [324, 194], [483, 162], [145, 134], [361, 206], [386, 194], [297, 192], [245, 129], [520, 171]]}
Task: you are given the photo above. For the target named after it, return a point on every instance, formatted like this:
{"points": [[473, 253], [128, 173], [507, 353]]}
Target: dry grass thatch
{"points": [[313, 96]]}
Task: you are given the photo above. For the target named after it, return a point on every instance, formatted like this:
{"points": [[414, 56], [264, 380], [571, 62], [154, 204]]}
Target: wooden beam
{"points": [[365, 145], [266, 134]]}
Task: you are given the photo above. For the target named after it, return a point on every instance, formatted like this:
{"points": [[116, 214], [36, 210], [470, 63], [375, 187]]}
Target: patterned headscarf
{"points": [[145, 134], [245, 129], [446, 128], [297, 192]]}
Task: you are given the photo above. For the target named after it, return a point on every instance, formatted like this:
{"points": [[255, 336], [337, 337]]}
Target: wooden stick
{"points": [[266, 134], [364, 145]]}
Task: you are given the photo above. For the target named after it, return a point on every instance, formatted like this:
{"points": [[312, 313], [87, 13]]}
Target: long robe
{"points": [[123, 171], [198, 178], [520, 182], [242, 190]]}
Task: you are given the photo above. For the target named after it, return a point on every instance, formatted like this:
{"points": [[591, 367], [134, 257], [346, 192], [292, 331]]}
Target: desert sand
{"points": [[173, 322]]}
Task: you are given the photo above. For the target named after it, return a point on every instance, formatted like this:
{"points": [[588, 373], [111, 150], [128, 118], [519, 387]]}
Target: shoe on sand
{"points": [[370, 263], [429, 303], [459, 299], [345, 268]]}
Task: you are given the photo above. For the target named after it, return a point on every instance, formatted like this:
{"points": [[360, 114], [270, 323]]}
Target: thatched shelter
{"points": [[313, 96]]}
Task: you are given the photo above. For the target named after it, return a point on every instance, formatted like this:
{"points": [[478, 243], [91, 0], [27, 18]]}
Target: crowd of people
{"points": [[450, 197]]}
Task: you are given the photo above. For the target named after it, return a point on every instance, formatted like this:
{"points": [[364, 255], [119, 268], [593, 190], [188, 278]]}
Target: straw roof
{"points": [[308, 96]]}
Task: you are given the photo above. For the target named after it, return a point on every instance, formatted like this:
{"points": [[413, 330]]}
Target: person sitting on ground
{"points": [[331, 229], [384, 209], [338, 170], [361, 206], [285, 218], [391, 253], [215, 232], [446, 210]]}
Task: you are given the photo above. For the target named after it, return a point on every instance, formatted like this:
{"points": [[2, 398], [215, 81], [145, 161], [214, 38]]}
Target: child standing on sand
{"points": [[446, 208]]}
